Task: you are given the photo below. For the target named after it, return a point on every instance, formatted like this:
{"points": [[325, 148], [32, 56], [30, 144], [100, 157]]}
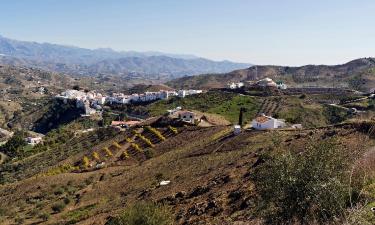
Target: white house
{"points": [[266, 82], [182, 93], [187, 116], [235, 85], [33, 140], [264, 122]]}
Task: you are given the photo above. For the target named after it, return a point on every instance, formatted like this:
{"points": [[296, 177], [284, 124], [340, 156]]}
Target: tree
{"points": [[14, 146], [240, 119], [76, 87]]}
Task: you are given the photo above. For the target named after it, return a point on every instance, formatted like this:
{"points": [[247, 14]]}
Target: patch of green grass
{"points": [[225, 104], [295, 111], [79, 214]]}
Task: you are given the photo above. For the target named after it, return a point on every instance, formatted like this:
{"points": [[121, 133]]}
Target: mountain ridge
{"points": [[82, 61], [357, 74]]}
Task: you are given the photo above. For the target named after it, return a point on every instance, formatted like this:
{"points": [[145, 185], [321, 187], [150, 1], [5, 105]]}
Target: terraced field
{"points": [[132, 146], [209, 168], [270, 106]]}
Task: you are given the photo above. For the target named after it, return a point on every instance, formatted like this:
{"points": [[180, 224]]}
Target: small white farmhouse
{"points": [[264, 122], [33, 140], [186, 116]]}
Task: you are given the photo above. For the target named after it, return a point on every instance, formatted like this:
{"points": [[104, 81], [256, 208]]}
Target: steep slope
{"points": [[357, 74], [210, 178]]}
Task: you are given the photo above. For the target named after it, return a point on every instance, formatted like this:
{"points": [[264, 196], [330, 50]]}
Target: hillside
{"points": [[135, 65], [356, 74], [310, 111], [26, 93], [211, 177]]}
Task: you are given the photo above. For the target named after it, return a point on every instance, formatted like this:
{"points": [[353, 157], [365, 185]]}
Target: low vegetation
{"points": [[143, 214], [225, 104], [155, 132], [313, 186]]}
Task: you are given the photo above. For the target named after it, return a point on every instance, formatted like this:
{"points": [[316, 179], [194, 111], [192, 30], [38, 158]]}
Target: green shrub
{"points": [[312, 186], [67, 200], [143, 214], [14, 147], [136, 147], [116, 145], [124, 155], [155, 132], [145, 140], [128, 140], [149, 153], [59, 191], [173, 129], [58, 207], [44, 216], [108, 152], [19, 220], [96, 156], [85, 162]]}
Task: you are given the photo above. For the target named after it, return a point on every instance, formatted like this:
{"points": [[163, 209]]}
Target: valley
{"points": [[88, 170]]}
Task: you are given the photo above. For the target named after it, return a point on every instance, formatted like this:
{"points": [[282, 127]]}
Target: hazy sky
{"points": [[284, 32]]}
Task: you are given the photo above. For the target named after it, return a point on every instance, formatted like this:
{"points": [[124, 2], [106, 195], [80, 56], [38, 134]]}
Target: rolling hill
{"points": [[357, 74], [211, 178]]}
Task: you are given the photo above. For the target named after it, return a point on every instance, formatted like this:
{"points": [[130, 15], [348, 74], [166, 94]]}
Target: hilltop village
{"points": [[92, 101]]}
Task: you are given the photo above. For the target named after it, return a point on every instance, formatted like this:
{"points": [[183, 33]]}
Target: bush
{"points": [[116, 145], [173, 129], [67, 200], [143, 214], [309, 187], [44, 216], [136, 147], [155, 132], [108, 152], [85, 162], [124, 155], [14, 147], [145, 140], [59, 191], [96, 156], [58, 207], [149, 153]]}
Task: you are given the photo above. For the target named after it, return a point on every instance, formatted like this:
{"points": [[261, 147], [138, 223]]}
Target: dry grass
{"points": [[207, 166]]}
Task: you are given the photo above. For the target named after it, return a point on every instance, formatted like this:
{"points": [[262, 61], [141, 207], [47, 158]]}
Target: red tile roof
{"points": [[128, 123], [262, 119]]}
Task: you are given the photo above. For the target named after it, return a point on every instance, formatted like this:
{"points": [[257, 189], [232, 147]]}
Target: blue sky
{"points": [[282, 32]]}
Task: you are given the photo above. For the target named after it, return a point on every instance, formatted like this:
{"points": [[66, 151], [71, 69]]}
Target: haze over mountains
{"points": [[81, 61]]}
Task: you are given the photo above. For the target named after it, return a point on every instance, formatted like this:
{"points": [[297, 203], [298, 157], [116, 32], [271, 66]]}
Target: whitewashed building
{"points": [[235, 85], [187, 116], [33, 140], [264, 122]]}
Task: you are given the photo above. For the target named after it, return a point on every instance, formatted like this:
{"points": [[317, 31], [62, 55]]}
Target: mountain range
{"points": [[357, 74], [104, 61]]}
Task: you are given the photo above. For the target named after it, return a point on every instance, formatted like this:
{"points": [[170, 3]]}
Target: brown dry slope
{"points": [[208, 168], [357, 74]]}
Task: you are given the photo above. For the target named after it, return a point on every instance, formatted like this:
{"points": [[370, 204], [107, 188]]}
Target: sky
{"points": [[278, 32]]}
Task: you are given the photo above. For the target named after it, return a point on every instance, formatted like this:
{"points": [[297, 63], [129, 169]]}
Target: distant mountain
{"points": [[81, 61], [357, 74]]}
